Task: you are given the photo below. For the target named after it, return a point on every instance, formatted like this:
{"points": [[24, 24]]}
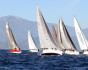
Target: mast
{"points": [[10, 37]]}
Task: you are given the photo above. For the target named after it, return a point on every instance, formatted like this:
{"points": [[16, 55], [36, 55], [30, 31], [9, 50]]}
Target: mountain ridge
{"points": [[20, 27]]}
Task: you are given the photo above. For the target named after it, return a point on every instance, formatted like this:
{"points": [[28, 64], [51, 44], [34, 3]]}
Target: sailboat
{"points": [[46, 40], [32, 45], [11, 40], [66, 40], [83, 43]]}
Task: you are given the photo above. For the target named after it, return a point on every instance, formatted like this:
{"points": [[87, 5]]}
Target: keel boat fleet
{"points": [[56, 43]]}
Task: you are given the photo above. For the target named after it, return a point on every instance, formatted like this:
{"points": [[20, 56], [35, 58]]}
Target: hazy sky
{"points": [[52, 10]]}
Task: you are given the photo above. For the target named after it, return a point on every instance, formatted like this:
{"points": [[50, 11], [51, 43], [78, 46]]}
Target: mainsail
{"points": [[32, 45], [10, 37], [66, 40], [45, 37], [80, 36]]}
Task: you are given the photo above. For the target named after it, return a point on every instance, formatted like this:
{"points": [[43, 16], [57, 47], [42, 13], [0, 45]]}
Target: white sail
{"points": [[56, 38], [32, 45], [59, 39], [10, 37], [45, 37], [54, 34], [66, 39], [63, 36], [80, 36]]}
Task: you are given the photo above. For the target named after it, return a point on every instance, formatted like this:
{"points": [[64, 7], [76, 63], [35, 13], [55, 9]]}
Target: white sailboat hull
{"points": [[72, 52], [34, 50], [51, 52], [85, 52]]}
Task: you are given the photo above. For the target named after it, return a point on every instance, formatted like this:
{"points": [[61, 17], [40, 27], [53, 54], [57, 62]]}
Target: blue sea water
{"points": [[32, 61]]}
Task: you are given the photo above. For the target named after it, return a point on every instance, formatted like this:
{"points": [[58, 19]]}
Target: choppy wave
{"points": [[32, 61]]}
